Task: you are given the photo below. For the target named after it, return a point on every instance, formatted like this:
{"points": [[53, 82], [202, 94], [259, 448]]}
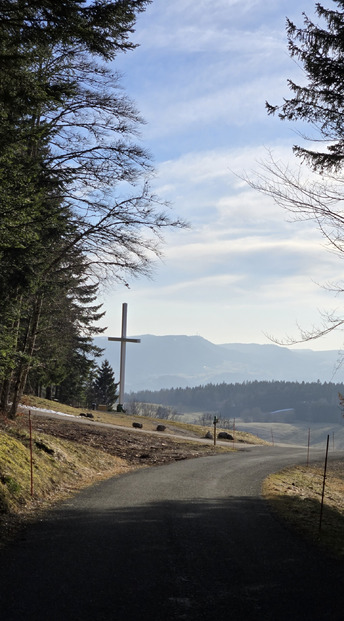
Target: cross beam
{"points": [[123, 339]]}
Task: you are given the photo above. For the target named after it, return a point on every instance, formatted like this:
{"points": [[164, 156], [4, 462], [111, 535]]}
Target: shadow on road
{"points": [[198, 559]]}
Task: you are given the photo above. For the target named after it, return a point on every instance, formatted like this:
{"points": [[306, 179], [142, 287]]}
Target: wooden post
{"points": [[215, 423]]}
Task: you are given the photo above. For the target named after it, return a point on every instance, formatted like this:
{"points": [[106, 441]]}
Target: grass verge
{"points": [[295, 494], [59, 467]]}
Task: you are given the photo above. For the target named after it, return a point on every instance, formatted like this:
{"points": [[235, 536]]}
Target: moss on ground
{"points": [[59, 468]]}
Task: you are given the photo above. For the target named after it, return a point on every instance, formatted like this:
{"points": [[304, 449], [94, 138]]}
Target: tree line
{"points": [[75, 202], [257, 400]]}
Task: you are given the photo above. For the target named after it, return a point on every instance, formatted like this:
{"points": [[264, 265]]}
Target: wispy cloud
{"points": [[201, 76]]}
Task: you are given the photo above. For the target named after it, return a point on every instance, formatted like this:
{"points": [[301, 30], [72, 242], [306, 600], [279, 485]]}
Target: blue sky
{"points": [[243, 270]]}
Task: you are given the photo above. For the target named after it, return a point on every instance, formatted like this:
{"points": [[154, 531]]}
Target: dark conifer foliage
{"points": [[104, 388], [75, 203], [319, 48], [255, 401]]}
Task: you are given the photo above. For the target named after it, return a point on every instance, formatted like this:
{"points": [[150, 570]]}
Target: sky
{"points": [[243, 272]]}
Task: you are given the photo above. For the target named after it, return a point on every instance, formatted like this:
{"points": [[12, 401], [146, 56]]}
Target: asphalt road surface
{"points": [[192, 540]]}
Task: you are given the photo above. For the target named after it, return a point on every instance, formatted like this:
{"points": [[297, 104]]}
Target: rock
{"points": [[161, 428], [209, 435], [137, 425], [223, 435]]}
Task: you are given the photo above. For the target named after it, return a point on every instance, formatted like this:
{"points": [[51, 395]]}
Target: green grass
{"points": [[59, 468]]}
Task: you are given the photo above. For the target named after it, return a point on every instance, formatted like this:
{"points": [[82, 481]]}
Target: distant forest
{"points": [[253, 401]]}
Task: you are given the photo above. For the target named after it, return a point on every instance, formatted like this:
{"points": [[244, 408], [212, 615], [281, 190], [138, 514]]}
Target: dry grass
{"points": [[60, 468], [295, 494]]}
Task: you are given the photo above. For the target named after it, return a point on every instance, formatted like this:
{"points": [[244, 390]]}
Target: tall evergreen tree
{"points": [[72, 176], [319, 48], [104, 386]]}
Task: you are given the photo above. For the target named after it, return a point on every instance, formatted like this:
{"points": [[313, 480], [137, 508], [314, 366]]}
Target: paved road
{"points": [[192, 540]]}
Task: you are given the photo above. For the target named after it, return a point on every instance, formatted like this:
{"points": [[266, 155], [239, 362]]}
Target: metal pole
{"points": [[323, 489], [31, 456], [309, 442], [123, 348]]}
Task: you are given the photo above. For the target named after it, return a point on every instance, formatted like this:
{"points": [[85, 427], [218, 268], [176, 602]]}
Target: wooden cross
{"points": [[123, 340]]}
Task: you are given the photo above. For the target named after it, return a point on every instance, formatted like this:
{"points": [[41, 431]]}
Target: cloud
{"points": [[190, 26], [200, 77]]}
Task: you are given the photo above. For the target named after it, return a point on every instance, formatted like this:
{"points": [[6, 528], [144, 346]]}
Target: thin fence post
{"points": [[215, 421], [323, 489], [31, 455], [309, 442]]}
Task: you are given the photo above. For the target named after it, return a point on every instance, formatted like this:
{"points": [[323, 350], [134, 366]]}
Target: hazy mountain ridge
{"points": [[180, 361]]}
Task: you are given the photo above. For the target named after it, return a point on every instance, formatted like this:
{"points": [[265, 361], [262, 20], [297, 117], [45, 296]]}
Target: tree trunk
{"points": [[27, 355], [13, 328]]}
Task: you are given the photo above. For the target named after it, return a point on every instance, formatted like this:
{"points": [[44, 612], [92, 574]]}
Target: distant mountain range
{"points": [[180, 361]]}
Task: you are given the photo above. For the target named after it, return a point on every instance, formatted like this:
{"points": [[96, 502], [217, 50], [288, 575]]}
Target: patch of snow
{"points": [[32, 407]]}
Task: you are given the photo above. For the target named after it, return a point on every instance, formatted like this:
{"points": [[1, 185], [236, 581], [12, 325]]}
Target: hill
{"points": [[180, 361]]}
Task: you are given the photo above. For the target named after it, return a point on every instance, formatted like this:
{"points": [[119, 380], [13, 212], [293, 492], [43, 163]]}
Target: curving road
{"points": [[192, 540]]}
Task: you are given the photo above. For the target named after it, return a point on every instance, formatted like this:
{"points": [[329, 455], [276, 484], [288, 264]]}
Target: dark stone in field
{"points": [[209, 435], [223, 435], [161, 428], [137, 425]]}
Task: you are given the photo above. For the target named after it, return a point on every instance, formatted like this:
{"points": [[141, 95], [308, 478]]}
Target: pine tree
{"points": [[319, 48], [319, 102], [104, 386], [72, 177]]}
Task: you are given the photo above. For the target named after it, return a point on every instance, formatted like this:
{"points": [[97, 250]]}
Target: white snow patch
{"points": [[31, 407]]}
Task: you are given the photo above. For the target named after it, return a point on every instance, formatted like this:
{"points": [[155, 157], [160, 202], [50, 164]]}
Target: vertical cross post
{"points": [[123, 340]]}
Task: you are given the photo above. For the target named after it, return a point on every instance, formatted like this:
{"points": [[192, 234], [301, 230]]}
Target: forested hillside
{"points": [[254, 401]]}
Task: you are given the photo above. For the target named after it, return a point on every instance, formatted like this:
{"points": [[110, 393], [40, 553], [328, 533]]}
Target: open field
{"points": [[297, 433]]}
